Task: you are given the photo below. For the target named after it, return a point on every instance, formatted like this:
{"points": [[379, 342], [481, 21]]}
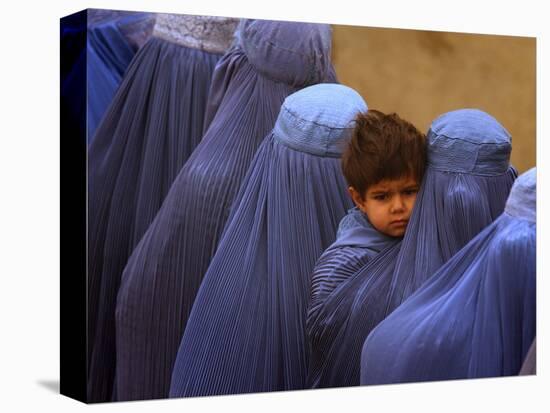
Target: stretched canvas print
{"points": [[277, 205]]}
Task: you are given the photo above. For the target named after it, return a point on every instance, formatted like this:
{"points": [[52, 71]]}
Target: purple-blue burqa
{"points": [[246, 332], [110, 40], [465, 186], [476, 316], [111, 47], [153, 124], [271, 60], [357, 242]]}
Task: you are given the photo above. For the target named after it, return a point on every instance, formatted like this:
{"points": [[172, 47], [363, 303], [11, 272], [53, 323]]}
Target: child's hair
{"points": [[383, 147]]}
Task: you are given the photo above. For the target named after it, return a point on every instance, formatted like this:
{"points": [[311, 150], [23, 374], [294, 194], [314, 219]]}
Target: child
{"points": [[465, 185], [383, 166]]}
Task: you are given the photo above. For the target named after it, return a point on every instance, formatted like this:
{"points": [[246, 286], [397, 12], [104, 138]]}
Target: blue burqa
{"points": [[465, 186], [476, 316], [246, 332], [271, 60], [154, 123], [357, 242], [109, 54], [73, 43], [92, 74]]}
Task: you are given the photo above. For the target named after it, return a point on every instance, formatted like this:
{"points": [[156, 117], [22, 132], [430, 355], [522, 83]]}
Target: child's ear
{"points": [[357, 198]]}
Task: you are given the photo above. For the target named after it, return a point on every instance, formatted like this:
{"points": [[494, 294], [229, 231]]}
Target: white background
{"points": [[29, 206]]}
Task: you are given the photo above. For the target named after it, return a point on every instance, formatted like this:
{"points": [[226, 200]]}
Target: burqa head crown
{"points": [[469, 141], [319, 119], [522, 201], [297, 54], [209, 33]]}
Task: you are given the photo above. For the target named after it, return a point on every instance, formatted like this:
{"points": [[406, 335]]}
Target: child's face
{"points": [[388, 204]]}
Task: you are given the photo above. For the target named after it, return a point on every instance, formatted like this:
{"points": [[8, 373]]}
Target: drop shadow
{"points": [[51, 385]]}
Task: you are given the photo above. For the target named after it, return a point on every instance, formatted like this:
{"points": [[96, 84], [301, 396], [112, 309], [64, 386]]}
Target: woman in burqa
{"points": [[246, 332], [465, 186], [271, 61], [476, 316], [155, 121], [96, 48], [113, 40]]}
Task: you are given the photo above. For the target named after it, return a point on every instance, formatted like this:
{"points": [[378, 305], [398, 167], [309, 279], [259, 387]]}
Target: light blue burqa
{"points": [[247, 329]]}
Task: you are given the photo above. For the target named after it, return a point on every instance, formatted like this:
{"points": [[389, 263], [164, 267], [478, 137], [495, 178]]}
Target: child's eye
{"points": [[410, 191], [380, 197]]}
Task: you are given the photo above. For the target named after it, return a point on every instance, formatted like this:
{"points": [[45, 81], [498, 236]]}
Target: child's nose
{"points": [[398, 204]]}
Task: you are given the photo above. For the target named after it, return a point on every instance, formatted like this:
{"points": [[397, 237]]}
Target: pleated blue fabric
{"points": [[465, 187], [164, 273], [246, 332], [149, 131], [357, 242], [109, 54], [104, 60], [476, 317]]}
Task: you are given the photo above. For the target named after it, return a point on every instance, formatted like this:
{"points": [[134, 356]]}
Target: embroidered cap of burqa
{"points": [[150, 129], [161, 279], [246, 332], [476, 316], [464, 188]]}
